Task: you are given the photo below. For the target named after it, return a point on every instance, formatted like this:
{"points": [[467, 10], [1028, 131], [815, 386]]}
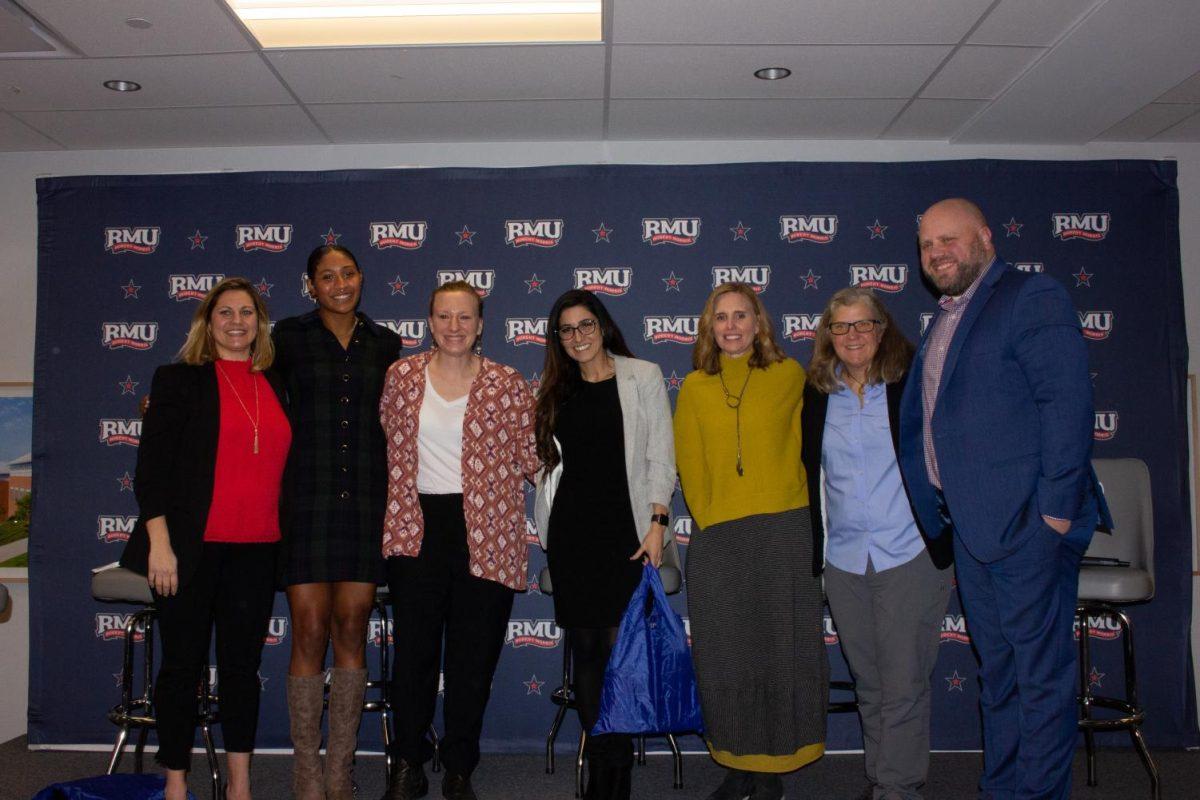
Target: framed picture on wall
{"points": [[16, 478]]}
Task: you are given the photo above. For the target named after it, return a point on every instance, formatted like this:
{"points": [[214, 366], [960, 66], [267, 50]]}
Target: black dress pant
{"points": [[233, 587], [609, 755], [434, 596]]}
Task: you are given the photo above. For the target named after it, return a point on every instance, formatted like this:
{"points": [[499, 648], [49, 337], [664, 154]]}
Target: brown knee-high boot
{"points": [[306, 700], [346, 691]]}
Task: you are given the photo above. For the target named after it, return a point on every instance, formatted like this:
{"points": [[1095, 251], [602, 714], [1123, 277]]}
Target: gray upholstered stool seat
{"points": [[1115, 584], [120, 585]]}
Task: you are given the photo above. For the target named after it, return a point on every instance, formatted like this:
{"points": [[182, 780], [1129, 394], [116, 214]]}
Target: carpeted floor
{"points": [[522, 777]]}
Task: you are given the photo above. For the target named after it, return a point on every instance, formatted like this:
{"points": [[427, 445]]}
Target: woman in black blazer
{"points": [[885, 578], [211, 458]]}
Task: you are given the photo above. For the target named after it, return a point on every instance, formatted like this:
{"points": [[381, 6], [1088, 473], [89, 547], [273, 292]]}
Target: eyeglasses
{"points": [[860, 325], [584, 328]]}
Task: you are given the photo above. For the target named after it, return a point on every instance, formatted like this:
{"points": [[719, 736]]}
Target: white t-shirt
{"points": [[439, 443]]}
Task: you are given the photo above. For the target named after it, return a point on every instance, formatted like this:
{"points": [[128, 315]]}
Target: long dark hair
{"points": [[561, 377]]}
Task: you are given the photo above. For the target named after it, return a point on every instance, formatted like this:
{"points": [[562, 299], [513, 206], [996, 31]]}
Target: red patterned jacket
{"points": [[499, 452]]}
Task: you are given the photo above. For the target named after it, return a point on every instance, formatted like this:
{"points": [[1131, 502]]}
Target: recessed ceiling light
{"points": [[326, 23], [139, 22], [123, 86], [772, 73]]}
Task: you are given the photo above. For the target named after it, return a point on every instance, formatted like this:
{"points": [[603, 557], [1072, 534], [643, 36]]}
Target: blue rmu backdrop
{"points": [[122, 262]]}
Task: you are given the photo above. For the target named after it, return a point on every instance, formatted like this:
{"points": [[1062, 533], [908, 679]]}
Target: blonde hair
{"points": [[199, 347], [706, 355], [891, 360]]}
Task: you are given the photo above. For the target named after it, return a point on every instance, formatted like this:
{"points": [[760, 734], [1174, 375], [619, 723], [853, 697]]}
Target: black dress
{"points": [[592, 530]]}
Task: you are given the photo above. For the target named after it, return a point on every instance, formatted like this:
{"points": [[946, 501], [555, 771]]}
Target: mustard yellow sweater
{"points": [[773, 478]]}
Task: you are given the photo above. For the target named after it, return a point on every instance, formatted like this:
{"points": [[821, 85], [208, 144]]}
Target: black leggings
{"points": [[590, 649]]}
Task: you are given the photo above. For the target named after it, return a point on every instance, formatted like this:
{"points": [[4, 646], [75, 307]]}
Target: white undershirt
{"points": [[439, 443]]}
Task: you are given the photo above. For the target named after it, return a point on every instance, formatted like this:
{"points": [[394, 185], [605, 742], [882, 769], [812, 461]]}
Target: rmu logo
{"points": [[681, 330], [1029, 266], [1105, 427], [1096, 325], [926, 319], [481, 280], [954, 629], [133, 335], [525, 330], [375, 632], [681, 231], [531, 532], [815, 228], [890, 278], [191, 287], [613, 281], [829, 632], [406, 235], [114, 527], [756, 277], [797, 327], [1100, 626], [683, 530], [1091, 227], [410, 331], [277, 630], [110, 626], [272, 238], [532, 633], [121, 431], [536, 233], [142, 241]]}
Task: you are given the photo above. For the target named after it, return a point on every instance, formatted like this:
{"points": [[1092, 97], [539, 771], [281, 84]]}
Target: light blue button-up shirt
{"points": [[866, 509]]}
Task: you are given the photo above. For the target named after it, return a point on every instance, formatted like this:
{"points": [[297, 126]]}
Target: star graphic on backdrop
{"points": [[533, 685], [262, 681], [118, 677], [466, 236], [740, 231], [128, 385], [1095, 677], [877, 230], [603, 234], [535, 284], [263, 287], [197, 239], [398, 286], [126, 482], [1013, 228], [674, 382], [1093, 376], [535, 382], [955, 682], [330, 237], [131, 289], [810, 280], [1083, 278], [672, 281]]}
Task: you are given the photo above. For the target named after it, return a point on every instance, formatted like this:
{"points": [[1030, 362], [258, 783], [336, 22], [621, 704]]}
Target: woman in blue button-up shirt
{"points": [[887, 582]]}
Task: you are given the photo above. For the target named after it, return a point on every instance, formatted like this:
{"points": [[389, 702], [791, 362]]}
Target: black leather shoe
{"points": [[736, 786], [408, 782], [456, 786]]}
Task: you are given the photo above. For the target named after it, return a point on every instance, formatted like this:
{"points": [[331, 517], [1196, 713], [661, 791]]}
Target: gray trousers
{"points": [[889, 624]]}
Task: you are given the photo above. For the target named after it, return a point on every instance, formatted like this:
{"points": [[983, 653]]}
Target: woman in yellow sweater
{"points": [[753, 596]]}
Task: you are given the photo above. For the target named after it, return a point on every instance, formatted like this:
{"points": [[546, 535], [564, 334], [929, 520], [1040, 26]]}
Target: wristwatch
{"points": [[661, 519]]}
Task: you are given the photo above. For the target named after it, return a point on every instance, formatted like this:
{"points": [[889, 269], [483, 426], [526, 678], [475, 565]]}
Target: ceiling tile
{"points": [[99, 29], [1035, 22], [933, 119], [1186, 131], [750, 119], [1186, 92], [244, 126], [643, 71], [980, 73], [790, 22], [1148, 121], [533, 120], [16, 135], [407, 74], [51, 85]]}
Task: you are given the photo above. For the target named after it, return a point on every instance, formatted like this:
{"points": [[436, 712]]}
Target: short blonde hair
{"points": [[706, 355], [199, 347]]}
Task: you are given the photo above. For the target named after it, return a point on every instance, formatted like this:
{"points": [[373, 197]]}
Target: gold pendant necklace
{"points": [[253, 420], [736, 404]]}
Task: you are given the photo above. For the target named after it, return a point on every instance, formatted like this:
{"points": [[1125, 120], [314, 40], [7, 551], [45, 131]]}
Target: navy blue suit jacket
{"points": [[1013, 420]]}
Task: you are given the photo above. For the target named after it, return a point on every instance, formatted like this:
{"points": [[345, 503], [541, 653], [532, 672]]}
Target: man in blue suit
{"points": [[995, 448]]}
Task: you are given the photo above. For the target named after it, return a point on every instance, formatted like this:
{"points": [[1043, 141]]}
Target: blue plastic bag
{"points": [[122, 786], [649, 684]]}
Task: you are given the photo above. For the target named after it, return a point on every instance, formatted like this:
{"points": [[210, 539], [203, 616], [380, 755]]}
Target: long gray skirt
{"points": [[756, 622]]}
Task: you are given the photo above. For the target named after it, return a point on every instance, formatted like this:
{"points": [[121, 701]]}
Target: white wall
{"points": [[18, 233]]}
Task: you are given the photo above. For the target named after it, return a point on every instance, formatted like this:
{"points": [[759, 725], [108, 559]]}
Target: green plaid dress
{"points": [[335, 485]]}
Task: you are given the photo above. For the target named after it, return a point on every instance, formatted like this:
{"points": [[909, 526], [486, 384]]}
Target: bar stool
{"points": [[564, 696], [1117, 570], [119, 585]]}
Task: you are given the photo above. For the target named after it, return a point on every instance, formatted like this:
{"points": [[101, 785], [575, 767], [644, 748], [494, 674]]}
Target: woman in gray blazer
{"points": [[604, 435]]}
